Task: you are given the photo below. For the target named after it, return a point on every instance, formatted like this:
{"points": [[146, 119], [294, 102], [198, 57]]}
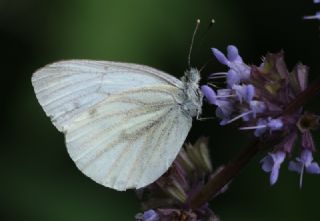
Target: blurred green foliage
{"points": [[38, 179]]}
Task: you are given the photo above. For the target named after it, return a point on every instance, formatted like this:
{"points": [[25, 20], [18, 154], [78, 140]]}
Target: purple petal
{"points": [[313, 168], [240, 91], [233, 54], [275, 124], [279, 157], [246, 117], [226, 108], [224, 92], [220, 114], [209, 94], [273, 160], [250, 92], [244, 92], [257, 107], [272, 163], [259, 131], [150, 215], [224, 122], [220, 56], [295, 166], [274, 175], [232, 78], [316, 1], [306, 157], [267, 163]]}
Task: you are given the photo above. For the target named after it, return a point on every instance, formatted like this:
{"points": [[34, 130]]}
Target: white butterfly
{"points": [[124, 124]]}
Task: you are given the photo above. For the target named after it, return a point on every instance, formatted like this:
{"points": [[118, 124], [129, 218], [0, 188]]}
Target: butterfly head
{"points": [[192, 76]]}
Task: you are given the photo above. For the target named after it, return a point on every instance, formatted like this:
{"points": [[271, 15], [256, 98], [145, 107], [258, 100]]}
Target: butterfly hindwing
{"points": [[128, 148], [124, 124]]}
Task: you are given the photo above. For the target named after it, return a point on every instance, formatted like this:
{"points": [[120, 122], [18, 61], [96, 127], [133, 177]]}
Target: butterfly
{"points": [[124, 124]]}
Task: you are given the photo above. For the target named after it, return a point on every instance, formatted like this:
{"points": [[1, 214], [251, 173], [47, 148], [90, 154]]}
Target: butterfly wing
{"points": [[123, 122], [67, 88]]}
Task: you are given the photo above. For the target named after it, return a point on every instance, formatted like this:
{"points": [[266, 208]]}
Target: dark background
{"points": [[38, 179]]}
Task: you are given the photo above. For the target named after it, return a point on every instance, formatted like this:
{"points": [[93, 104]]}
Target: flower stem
{"points": [[233, 168], [302, 98], [225, 175]]}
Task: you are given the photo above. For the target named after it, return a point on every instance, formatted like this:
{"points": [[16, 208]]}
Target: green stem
{"points": [[302, 98], [233, 168], [225, 175]]}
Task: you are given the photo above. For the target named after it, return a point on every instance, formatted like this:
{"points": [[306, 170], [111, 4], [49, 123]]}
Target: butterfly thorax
{"points": [[193, 101]]}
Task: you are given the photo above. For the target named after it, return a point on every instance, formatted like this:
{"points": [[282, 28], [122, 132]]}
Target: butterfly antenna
{"points": [[210, 25], [192, 40], [204, 35], [202, 41]]}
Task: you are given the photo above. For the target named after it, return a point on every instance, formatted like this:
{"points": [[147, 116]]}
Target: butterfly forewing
{"points": [[67, 88], [123, 122]]}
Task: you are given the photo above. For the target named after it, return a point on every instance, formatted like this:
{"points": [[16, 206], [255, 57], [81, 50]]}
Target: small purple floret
{"points": [[233, 78], [150, 215], [225, 107], [220, 56], [275, 124], [305, 161], [316, 16], [271, 124], [233, 54], [244, 92], [260, 128], [257, 107], [238, 69], [271, 164]]}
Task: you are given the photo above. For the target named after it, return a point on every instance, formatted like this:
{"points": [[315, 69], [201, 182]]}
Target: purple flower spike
{"points": [[304, 162], [220, 56], [150, 215], [233, 54], [209, 94], [316, 1], [271, 164]]}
